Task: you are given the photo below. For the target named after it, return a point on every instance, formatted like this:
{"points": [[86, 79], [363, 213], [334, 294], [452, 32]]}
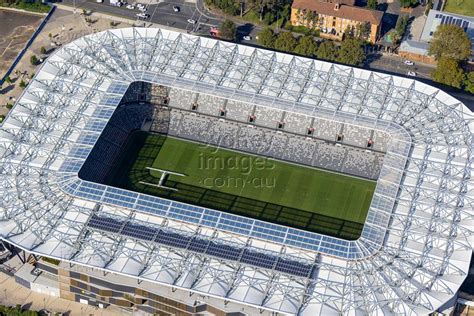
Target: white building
{"points": [[419, 46]]}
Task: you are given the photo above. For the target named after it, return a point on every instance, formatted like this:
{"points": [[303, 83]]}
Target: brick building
{"points": [[333, 17]]}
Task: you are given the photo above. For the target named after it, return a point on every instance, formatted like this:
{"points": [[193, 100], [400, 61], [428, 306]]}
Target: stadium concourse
{"points": [[415, 247]]}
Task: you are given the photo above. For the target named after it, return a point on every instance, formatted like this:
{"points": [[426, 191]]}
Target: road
{"points": [[162, 13], [395, 64]]}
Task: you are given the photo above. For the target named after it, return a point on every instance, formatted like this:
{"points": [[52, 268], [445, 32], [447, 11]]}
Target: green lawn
{"points": [[266, 180], [243, 184], [28, 6], [463, 7]]}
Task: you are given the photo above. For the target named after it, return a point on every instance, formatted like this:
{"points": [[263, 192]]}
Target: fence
{"points": [[28, 44]]}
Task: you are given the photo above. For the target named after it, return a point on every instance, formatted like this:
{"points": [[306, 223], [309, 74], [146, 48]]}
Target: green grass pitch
{"points": [[266, 180], [245, 184]]}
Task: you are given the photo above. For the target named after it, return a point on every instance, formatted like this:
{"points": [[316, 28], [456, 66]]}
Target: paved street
{"points": [[395, 64], [160, 13]]}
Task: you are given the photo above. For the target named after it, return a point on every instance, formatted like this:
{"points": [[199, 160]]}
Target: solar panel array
{"points": [[448, 19], [201, 246]]}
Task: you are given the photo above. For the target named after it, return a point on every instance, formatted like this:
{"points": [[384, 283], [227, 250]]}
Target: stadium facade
{"points": [[416, 244]]}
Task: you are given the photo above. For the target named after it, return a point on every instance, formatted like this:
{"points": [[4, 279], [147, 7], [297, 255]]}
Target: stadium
{"points": [[121, 156]]}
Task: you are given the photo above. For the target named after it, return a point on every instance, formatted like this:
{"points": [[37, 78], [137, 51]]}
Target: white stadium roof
{"points": [[415, 247]]}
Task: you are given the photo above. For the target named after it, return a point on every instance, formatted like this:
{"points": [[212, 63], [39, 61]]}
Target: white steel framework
{"points": [[416, 244]]}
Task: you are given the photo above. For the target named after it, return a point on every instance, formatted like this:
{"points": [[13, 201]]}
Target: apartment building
{"points": [[334, 17]]}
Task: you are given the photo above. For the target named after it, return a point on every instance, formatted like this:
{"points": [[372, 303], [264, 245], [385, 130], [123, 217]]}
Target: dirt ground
{"points": [[15, 30]]}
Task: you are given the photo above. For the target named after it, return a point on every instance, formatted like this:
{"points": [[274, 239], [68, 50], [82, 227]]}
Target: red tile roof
{"points": [[345, 11], [348, 2]]}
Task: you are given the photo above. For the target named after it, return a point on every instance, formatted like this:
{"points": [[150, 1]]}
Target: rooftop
{"points": [[414, 47], [345, 11], [436, 18]]}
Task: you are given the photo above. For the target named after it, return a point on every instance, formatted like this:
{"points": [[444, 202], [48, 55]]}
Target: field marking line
{"points": [[157, 186], [166, 171]]}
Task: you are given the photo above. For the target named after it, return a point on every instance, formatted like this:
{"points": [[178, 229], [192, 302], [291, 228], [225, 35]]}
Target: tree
{"points": [[16, 310], [363, 30], [263, 5], [372, 4], [299, 15], [34, 60], [306, 46], [348, 32], [351, 52], [269, 18], [450, 41], [228, 30], [408, 3], [43, 50], [266, 38], [285, 12], [469, 82], [327, 50], [8, 80], [22, 84], [448, 72], [401, 25], [285, 41], [400, 28], [228, 6], [429, 6], [314, 20], [311, 19]]}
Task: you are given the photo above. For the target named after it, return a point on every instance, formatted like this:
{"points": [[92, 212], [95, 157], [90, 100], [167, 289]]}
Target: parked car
{"points": [[130, 6], [191, 21], [175, 8], [143, 15], [411, 74], [99, 1], [116, 3], [140, 6], [408, 63]]}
